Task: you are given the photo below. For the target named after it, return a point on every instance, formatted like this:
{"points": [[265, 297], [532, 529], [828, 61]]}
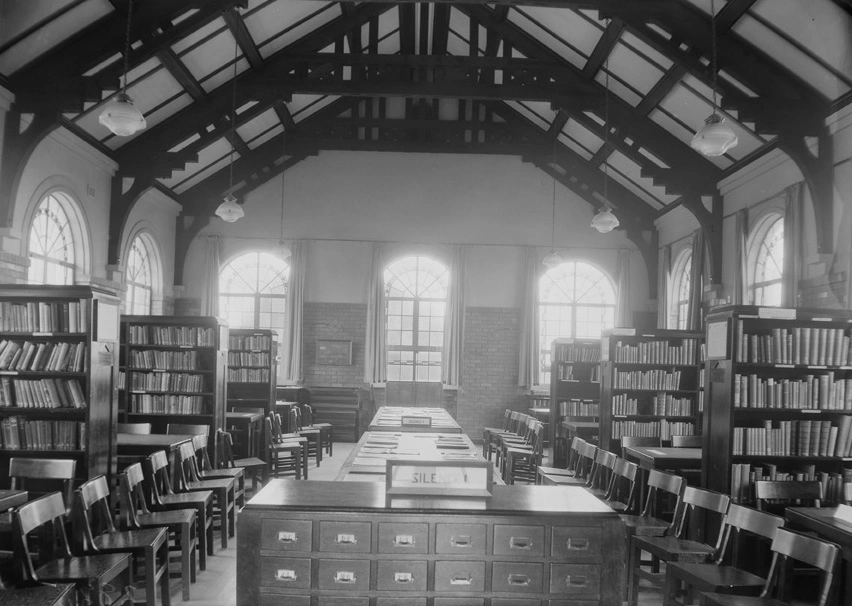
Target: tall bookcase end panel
{"points": [[58, 375], [779, 385], [174, 370], [651, 384], [252, 369]]}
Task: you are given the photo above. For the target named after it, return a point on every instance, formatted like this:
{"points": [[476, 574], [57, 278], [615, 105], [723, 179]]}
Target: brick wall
{"points": [[187, 306], [13, 269], [490, 371], [337, 321]]}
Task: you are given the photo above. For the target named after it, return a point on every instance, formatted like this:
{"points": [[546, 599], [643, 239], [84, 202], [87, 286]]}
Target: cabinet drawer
{"points": [[400, 601], [277, 599], [325, 600], [518, 577], [459, 576], [345, 537], [514, 602], [459, 601], [403, 538], [285, 535], [405, 575], [518, 540], [345, 575], [460, 538], [574, 543], [577, 580], [290, 573]]}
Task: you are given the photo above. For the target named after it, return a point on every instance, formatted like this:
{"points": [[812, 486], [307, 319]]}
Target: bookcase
{"points": [[58, 375], [174, 371], [650, 384], [252, 368], [574, 390], [779, 398]]}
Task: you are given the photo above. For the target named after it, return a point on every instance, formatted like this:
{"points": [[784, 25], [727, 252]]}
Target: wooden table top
{"points": [[41, 595], [822, 521], [651, 457], [389, 418], [12, 498], [580, 425], [247, 416], [133, 443]]}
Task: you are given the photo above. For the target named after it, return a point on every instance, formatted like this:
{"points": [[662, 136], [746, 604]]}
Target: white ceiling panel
{"points": [[582, 43], [198, 36], [203, 174], [264, 137], [583, 136], [210, 55], [638, 72], [527, 112], [279, 24], [258, 125], [658, 59]]}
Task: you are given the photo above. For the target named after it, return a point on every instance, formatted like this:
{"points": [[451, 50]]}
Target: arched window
{"points": [[253, 293], [576, 299], [766, 254], [680, 286], [416, 293], [140, 280], [51, 244]]}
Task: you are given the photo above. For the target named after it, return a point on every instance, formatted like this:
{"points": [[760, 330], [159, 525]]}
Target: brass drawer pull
{"points": [[282, 574], [520, 543], [461, 540], [287, 537], [577, 581], [520, 580], [403, 577], [346, 539], [403, 540], [461, 578], [344, 576], [577, 544]]}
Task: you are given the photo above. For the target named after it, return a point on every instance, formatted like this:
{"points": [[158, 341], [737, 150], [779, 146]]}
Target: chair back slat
{"points": [[24, 470], [623, 472], [47, 511], [92, 511], [225, 448], [686, 441], [706, 500], [788, 491], [640, 441], [668, 483], [789, 545], [159, 479], [739, 520], [137, 428], [132, 494]]}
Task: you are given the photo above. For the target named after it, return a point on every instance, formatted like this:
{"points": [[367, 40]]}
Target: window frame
{"points": [[53, 201], [680, 283], [140, 242], [764, 227]]}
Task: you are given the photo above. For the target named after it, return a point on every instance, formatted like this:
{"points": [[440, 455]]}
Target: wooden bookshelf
{"points": [[574, 388], [650, 384], [174, 371], [779, 398], [252, 369], [58, 373]]}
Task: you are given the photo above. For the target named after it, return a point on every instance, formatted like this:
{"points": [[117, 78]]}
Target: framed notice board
{"points": [[331, 352]]}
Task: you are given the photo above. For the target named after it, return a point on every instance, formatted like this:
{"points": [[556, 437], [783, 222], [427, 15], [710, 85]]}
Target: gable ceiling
{"points": [[535, 78]]}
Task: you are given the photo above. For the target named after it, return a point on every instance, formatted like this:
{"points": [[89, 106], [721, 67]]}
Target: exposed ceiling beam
{"points": [[609, 6], [407, 23], [603, 48], [730, 13], [243, 37]]}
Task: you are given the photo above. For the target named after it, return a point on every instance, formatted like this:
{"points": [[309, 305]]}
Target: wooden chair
{"points": [[161, 497], [223, 489], [90, 574], [522, 437], [569, 471], [676, 548], [97, 534], [33, 475], [651, 521], [521, 462], [252, 466], [725, 574], [326, 429], [181, 523], [777, 495], [206, 471], [312, 435], [584, 466], [488, 432], [136, 428], [283, 456], [599, 478], [621, 492], [787, 546], [686, 441]]}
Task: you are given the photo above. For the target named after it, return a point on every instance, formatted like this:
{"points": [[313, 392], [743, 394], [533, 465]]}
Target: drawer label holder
{"points": [[344, 576], [284, 574]]}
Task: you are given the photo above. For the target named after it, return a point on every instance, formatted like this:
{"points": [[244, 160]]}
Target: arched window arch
{"points": [[681, 283], [416, 295], [52, 242], [576, 299], [140, 276], [766, 260]]}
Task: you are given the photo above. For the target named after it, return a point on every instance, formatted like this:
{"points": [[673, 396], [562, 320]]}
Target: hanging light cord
{"points": [[233, 124], [553, 219], [713, 49], [283, 156], [606, 131], [127, 47]]}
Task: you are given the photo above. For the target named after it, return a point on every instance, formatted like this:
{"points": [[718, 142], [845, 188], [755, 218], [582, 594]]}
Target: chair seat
{"points": [[556, 471], [673, 549], [710, 576], [130, 540], [169, 518], [644, 526], [726, 599], [228, 472], [83, 568], [187, 499], [249, 462], [211, 484]]}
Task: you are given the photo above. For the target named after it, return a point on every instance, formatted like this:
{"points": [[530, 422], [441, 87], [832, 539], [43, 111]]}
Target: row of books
{"points": [[579, 408], [569, 373], [811, 392], [252, 342], [578, 353], [166, 404], [166, 381], [662, 404], [149, 359], [744, 475], [58, 356], [55, 316], [657, 429], [246, 358], [805, 438], [191, 336], [19, 433], [42, 393], [648, 379], [797, 345], [658, 352], [248, 375]]}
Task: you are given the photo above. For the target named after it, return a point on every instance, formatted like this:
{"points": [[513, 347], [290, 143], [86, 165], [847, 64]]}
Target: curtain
{"points": [[375, 349], [741, 294], [210, 295], [696, 286], [294, 312], [622, 307], [663, 269], [454, 321], [792, 245], [528, 370]]}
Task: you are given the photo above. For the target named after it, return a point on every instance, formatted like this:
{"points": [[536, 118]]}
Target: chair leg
{"points": [[670, 589]]}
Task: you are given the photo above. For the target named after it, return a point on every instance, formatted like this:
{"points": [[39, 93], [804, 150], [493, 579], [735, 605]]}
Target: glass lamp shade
{"points": [[229, 211], [715, 137], [121, 117], [551, 259], [604, 221]]}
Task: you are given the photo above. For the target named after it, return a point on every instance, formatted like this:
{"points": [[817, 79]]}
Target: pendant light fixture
{"points": [[553, 258], [604, 221], [715, 138], [120, 116], [229, 211]]}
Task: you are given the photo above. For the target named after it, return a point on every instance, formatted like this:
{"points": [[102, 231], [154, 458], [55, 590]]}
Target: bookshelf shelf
{"points": [[252, 369]]}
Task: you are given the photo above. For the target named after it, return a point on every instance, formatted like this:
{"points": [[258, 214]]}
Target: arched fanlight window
{"points": [[139, 277], [767, 254], [51, 244], [681, 284]]}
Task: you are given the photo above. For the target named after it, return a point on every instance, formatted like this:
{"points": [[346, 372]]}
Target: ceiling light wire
{"points": [[127, 47]]}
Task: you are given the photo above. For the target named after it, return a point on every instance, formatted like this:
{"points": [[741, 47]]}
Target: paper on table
{"points": [[656, 452], [843, 513]]}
